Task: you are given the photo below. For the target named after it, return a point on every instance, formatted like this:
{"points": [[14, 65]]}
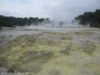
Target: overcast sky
{"points": [[54, 9]]}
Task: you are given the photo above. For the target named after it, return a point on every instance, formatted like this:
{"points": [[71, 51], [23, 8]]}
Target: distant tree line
{"points": [[9, 21], [90, 18]]}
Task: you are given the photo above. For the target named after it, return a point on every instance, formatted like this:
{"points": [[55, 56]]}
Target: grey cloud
{"points": [[55, 9]]}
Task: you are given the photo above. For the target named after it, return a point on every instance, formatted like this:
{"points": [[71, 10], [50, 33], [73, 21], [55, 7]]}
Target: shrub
{"points": [[3, 61], [89, 47], [46, 53], [54, 72], [66, 50]]}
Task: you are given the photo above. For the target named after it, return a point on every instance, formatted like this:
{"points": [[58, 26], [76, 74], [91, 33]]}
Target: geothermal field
{"points": [[47, 50]]}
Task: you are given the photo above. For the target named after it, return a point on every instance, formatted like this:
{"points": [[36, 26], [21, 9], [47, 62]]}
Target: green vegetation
{"points": [[91, 18], [9, 21]]}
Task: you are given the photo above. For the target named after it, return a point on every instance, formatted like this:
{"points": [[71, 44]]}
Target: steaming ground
{"points": [[47, 50], [12, 33]]}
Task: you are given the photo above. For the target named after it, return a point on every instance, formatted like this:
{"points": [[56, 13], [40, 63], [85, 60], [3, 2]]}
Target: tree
{"points": [[91, 18], [9, 21]]}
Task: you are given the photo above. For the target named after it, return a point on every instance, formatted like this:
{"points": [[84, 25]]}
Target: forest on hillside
{"points": [[90, 18], [9, 21]]}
